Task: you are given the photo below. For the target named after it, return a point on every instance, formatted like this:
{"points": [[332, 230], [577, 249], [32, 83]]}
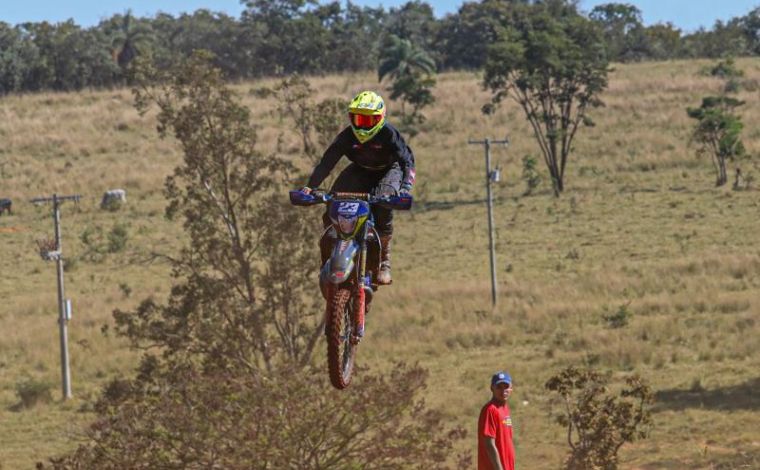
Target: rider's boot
{"points": [[384, 276]]}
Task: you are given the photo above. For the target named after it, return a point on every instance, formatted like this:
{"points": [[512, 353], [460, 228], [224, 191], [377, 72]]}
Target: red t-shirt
{"points": [[496, 422]]}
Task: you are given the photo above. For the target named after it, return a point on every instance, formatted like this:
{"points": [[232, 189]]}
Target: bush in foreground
{"points": [[598, 421], [288, 420]]}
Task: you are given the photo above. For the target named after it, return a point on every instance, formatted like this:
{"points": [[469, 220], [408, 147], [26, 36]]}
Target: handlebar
{"points": [[299, 198], [344, 195]]}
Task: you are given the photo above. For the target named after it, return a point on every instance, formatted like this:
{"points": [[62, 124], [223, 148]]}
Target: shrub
{"points": [[69, 264], [111, 205], [98, 244], [725, 69], [215, 419], [750, 84], [125, 289], [619, 318], [530, 174], [92, 239], [732, 85], [117, 238], [598, 422], [32, 392]]}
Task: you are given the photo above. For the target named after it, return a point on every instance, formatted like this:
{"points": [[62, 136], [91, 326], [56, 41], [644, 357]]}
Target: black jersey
{"points": [[377, 154]]}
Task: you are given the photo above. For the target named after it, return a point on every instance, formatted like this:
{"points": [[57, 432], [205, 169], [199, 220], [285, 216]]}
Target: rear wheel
{"points": [[340, 328]]}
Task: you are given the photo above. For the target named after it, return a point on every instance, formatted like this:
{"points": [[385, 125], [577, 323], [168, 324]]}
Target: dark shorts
{"points": [[359, 180]]}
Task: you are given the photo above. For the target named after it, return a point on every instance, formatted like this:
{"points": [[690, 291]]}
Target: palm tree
{"points": [[402, 59], [412, 71], [130, 39]]}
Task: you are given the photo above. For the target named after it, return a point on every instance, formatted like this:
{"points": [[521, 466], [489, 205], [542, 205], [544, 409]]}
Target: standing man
{"points": [[495, 448]]}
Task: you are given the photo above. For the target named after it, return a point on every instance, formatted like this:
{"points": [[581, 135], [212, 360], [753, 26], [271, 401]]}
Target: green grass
{"points": [[640, 225]]}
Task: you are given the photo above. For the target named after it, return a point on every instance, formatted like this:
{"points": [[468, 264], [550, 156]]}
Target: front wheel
{"points": [[341, 350]]}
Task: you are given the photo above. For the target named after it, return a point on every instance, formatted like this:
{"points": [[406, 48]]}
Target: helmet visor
{"points": [[365, 121]]}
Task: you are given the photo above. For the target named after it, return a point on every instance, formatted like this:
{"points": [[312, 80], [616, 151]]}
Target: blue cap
{"points": [[501, 378]]}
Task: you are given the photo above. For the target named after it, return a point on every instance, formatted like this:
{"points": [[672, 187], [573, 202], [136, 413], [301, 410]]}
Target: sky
{"points": [[688, 15]]}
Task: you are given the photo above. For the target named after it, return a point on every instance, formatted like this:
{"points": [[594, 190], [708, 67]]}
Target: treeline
{"points": [[278, 37]]}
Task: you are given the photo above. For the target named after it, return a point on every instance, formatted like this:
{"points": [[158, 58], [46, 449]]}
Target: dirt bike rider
{"points": [[381, 163]]}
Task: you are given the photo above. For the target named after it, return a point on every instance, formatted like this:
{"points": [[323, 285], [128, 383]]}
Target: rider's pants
{"points": [[360, 180]]}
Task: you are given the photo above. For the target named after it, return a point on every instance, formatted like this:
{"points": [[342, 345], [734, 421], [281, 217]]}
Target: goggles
{"points": [[365, 121]]}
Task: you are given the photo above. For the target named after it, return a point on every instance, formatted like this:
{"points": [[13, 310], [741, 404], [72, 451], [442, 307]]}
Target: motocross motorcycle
{"points": [[350, 250]]}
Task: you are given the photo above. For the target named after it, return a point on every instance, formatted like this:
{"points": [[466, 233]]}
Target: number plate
{"points": [[348, 208]]}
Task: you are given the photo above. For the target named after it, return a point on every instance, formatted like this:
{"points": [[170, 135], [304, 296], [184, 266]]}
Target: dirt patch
{"points": [[12, 229]]}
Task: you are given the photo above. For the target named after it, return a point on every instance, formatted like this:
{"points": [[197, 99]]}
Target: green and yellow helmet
{"points": [[367, 114]]}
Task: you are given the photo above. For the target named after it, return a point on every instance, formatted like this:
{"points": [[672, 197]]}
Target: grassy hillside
{"points": [[640, 229]]}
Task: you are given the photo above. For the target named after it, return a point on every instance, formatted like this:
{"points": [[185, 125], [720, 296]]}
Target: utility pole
{"points": [[491, 177], [64, 309]]}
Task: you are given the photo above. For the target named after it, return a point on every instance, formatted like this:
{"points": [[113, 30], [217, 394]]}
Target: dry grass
{"points": [[640, 226]]}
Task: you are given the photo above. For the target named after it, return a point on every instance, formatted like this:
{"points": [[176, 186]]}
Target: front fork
{"points": [[359, 296]]}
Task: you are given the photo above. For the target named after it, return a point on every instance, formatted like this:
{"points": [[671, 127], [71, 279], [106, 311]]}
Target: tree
{"points": [[67, 57], [290, 34], [554, 67], [247, 273], [234, 51], [599, 423], [717, 132], [317, 124], [620, 23], [81, 61], [464, 37], [18, 56], [401, 59], [353, 39], [664, 41], [130, 39], [750, 25], [724, 40], [414, 21], [412, 72]]}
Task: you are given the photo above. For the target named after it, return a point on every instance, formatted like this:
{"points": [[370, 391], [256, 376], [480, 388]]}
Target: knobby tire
{"points": [[340, 326]]}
